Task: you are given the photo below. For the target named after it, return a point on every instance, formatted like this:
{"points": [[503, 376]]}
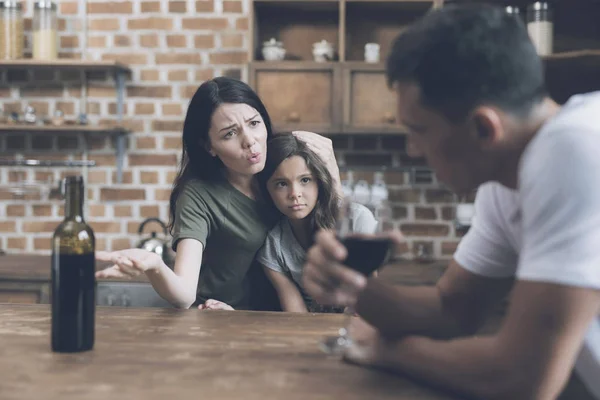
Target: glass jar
{"points": [[45, 30], [540, 26], [11, 30]]}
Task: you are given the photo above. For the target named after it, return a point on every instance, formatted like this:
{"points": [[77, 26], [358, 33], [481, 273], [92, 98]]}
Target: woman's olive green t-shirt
{"points": [[232, 228]]}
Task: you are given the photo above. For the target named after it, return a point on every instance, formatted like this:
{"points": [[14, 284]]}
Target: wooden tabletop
{"points": [[187, 354]]}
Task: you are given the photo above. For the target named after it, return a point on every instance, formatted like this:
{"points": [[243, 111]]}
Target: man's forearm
{"points": [[474, 367], [470, 366], [403, 310]]}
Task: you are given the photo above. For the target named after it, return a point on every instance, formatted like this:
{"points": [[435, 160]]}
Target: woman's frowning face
{"points": [[238, 137]]}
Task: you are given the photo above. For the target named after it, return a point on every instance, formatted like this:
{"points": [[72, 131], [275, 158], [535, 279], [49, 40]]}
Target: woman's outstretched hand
{"points": [[128, 263]]}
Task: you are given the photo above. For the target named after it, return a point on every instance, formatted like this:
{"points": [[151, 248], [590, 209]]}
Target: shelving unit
{"points": [[351, 96], [378, 22], [298, 24], [119, 72], [46, 163]]}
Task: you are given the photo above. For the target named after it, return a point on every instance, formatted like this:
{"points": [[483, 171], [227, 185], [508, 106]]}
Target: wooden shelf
{"points": [[293, 65], [7, 128], [575, 56], [108, 66], [46, 163], [591, 56]]}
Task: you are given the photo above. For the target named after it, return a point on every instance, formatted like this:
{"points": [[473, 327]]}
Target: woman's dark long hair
{"points": [[284, 146], [196, 162]]}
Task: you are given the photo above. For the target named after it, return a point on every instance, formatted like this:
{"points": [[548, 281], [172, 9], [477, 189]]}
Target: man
{"points": [[470, 90]]}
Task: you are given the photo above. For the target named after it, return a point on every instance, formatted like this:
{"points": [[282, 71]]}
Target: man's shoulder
{"points": [[566, 146], [493, 194], [576, 124]]}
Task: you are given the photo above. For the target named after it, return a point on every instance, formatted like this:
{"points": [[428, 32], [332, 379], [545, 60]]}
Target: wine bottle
{"points": [[73, 275]]}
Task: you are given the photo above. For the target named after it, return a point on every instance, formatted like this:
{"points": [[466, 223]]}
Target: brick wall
{"points": [[171, 47]]}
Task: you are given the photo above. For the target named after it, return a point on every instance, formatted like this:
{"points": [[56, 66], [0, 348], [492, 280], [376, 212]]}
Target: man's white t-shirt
{"points": [[548, 230]]}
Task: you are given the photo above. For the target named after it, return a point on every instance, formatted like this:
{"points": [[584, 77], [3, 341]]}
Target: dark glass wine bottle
{"points": [[73, 275]]}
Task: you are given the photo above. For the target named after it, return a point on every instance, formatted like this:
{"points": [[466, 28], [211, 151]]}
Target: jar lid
{"points": [[540, 5], [272, 42], [11, 4], [45, 4]]}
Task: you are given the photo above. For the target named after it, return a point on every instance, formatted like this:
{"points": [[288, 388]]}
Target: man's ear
{"points": [[487, 126]]}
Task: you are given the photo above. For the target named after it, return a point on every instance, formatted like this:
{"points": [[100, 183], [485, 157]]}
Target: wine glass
{"points": [[336, 345]]}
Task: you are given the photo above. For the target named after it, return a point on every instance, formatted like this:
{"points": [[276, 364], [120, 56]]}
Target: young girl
{"points": [[302, 189]]}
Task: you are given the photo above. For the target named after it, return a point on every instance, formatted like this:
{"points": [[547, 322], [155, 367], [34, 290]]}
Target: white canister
{"points": [[540, 27], [372, 52]]}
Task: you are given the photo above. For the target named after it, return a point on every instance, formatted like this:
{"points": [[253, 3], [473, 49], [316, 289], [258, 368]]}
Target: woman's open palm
{"points": [[128, 263]]}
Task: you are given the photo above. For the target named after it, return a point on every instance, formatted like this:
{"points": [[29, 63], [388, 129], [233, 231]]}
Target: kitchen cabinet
{"points": [[369, 104], [24, 292], [302, 96], [350, 96]]}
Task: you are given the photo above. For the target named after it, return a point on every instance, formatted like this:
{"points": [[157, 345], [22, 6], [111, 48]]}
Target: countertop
{"points": [[187, 354], [37, 268]]}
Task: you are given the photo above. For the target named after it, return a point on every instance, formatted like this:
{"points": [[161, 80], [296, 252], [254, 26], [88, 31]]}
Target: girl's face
{"points": [[238, 136], [293, 188]]}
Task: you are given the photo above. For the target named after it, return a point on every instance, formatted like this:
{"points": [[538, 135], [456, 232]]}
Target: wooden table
{"points": [[172, 354]]}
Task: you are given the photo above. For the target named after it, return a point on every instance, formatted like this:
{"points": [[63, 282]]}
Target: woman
{"points": [[218, 218]]}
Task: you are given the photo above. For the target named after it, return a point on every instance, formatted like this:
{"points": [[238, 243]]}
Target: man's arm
{"points": [[455, 306], [531, 357]]}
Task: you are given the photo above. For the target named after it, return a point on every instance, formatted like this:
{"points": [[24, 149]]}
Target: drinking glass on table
{"points": [[366, 254]]}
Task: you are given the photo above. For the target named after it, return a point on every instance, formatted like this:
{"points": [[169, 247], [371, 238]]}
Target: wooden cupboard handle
{"points": [[293, 117]]}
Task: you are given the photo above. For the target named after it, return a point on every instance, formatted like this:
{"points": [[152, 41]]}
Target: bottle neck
{"points": [[74, 201]]}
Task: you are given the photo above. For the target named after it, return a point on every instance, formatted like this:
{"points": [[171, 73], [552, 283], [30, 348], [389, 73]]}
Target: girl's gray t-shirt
{"points": [[283, 253]]}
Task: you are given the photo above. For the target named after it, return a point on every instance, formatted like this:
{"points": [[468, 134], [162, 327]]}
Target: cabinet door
{"points": [[369, 105], [19, 292], [301, 96], [18, 297]]}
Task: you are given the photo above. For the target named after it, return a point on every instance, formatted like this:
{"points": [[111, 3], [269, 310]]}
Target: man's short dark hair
{"points": [[463, 56]]}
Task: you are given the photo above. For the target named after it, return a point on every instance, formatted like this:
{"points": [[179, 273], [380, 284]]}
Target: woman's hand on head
{"points": [[128, 263], [212, 304], [323, 147]]}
